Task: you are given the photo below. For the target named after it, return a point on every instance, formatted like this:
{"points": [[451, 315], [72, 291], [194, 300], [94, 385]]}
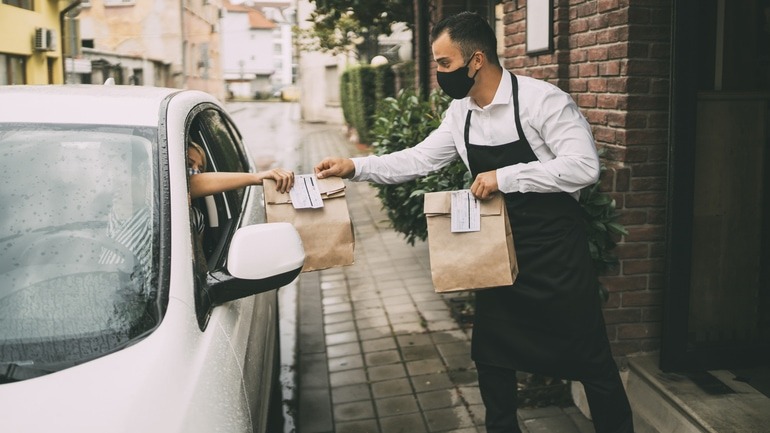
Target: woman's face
{"points": [[194, 160]]}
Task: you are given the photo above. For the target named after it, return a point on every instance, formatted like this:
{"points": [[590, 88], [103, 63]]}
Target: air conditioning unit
{"points": [[45, 39]]}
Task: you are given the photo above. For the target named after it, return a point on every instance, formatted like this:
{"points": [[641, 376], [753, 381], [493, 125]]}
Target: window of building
{"points": [[24, 4], [13, 69], [87, 43]]}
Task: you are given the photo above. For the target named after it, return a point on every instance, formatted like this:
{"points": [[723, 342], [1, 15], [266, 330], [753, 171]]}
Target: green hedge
{"points": [[362, 89]]}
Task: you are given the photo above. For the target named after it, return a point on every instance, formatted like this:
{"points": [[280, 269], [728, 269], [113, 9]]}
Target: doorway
{"points": [[717, 306]]}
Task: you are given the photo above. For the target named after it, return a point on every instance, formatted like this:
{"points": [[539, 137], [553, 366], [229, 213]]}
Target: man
{"points": [[526, 139]]}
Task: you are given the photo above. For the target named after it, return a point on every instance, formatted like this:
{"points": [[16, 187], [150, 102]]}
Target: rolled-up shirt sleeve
{"points": [[433, 153], [565, 148]]}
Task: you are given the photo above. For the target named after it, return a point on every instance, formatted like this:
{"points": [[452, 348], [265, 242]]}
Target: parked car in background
{"points": [[113, 317]]}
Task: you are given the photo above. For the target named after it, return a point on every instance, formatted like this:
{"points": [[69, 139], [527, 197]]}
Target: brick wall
{"points": [[612, 56]]}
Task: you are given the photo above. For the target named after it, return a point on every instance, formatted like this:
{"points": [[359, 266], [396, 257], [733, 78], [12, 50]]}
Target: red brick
{"points": [[655, 169], [613, 301], [656, 282], [602, 133], [617, 84], [578, 26], [638, 331], [597, 85], [597, 54], [610, 68], [657, 249], [622, 315], [642, 298], [649, 68], [615, 118], [609, 101], [644, 266], [606, 5], [645, 199], [578, 56], [659, 152], [637, 154], [633, 217], [586, 101], [624, 284], [626, 251], [648, 184], [656, 216], [645, 233], [586, 9], [652, 314], [596, 117], [588, 70], [622, 178], [614, 152]]}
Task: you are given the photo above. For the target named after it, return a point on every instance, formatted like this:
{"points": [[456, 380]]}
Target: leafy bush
{"points": [[405, 120], [400, 123]]}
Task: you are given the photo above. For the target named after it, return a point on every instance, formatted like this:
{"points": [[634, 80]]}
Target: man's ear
{"points": [[479, 58]]}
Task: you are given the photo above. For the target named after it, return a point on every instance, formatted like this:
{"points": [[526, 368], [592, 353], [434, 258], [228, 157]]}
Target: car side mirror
{"points": [[261, 257]]}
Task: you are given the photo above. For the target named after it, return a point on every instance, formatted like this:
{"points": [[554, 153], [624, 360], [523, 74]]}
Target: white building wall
{"points": [[247, 52], [318, 78]]}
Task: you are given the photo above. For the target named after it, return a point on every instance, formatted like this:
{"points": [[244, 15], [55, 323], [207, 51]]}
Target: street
{"points": [[272, 131]]}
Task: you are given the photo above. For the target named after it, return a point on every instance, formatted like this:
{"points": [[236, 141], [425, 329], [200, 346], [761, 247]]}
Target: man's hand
{"points": [[485, 185], [341, 167]]}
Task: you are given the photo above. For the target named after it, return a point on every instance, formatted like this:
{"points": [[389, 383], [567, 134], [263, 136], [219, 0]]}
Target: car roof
{"points": [[86, 104]]}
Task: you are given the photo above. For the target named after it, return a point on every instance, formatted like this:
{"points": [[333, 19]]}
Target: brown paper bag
{"points": [[469, 260], [326, 233]]}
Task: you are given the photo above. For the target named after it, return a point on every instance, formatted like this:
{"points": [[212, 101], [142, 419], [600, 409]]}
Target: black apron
{"points": [[549, 321]]}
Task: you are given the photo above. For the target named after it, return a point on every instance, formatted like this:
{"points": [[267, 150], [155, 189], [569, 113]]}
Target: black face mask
{"points": [[457, 83]]}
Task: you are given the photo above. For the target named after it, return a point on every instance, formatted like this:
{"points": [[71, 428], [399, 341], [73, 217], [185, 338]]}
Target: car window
{"points": [[78, 241], [222, 212]]}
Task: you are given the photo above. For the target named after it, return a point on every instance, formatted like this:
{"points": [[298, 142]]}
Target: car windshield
{"points": [[78, 241]]}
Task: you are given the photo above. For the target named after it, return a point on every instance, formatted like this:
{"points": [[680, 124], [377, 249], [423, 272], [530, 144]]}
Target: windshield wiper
{"points": [[10, 372]]}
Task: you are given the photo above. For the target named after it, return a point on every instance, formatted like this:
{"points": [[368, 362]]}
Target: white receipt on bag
{"points": [[466, 212], [305, 193]]}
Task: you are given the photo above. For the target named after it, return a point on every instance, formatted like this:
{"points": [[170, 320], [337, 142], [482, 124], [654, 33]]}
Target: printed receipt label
{"points": [[305, 193], [466, 212]]}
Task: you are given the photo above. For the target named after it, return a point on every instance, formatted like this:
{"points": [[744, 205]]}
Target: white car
{"points": [[112, 317]]}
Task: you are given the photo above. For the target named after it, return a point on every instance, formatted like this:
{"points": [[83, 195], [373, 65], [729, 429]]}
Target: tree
{"points": [[341, 26]]}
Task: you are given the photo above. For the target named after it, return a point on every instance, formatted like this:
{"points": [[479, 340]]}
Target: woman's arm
{"points": [[209, 183]]}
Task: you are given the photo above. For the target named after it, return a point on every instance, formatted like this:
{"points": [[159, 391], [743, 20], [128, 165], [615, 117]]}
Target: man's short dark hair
{"points": [[471, 33]]}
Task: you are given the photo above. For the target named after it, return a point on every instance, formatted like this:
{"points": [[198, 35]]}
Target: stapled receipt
{"points": [[466, 212], [305, 193]]}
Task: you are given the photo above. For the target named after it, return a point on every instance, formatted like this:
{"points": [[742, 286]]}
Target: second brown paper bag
{"points": [[326, 232], [469, 260]]}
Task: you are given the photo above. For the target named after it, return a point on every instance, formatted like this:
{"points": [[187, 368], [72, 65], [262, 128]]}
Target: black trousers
{"points": [[610, 410]]}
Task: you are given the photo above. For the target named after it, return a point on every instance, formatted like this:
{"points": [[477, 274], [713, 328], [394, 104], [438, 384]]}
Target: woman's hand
{"points": [[284, 179]]}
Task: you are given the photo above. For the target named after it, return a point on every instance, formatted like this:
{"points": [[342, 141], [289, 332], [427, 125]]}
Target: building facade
{"points": [[30, 49], [167, 43], [319, 77], [257, 48]]}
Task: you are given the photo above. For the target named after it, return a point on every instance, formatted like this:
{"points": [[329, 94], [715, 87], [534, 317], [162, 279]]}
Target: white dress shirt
{"points": [[558, 133]]}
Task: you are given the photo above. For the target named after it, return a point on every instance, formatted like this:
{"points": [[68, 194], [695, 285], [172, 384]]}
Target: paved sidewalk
{"points": [[377, 348]]}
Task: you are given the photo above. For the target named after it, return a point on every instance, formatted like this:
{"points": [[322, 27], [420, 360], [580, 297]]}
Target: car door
{"points": [[250, 323]]}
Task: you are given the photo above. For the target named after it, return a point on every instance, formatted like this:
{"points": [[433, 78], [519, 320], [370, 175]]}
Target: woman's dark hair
{"points": [[471, 33]]}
